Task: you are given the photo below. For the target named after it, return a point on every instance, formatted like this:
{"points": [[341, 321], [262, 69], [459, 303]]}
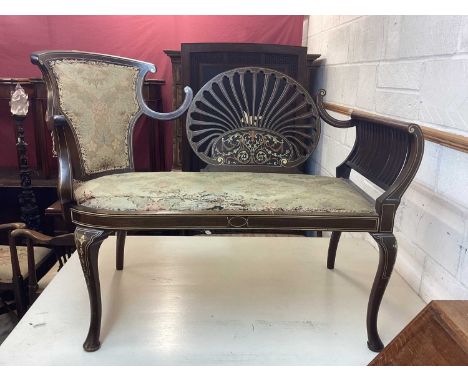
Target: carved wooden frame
{"points": [[93, 226], [268, 113], [70, 166]]}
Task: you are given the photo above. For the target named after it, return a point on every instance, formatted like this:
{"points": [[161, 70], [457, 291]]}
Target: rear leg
{"points": [[120, 249], [332, 247]]}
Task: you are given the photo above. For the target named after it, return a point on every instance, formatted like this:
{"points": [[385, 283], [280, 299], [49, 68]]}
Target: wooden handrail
{"points": [[444, 138]]}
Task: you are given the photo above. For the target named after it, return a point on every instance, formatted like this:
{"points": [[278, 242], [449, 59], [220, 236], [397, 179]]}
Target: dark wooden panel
{"points": [[40, 145], [199, 62]]}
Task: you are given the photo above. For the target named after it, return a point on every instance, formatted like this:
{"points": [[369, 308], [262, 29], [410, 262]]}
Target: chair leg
{"points": [[387, 256], [32, 277], [20, 297], [120, 250], [332, 247], [88, 242]]}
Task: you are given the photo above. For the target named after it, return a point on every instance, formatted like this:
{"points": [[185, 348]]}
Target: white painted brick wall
{"points": [[415, 68], [336, 45], [464, 35], [365, 97], [428, 172], [367, 39], [401, 75], [444, 93], [452, 181], [418, 36], [397, 103]]}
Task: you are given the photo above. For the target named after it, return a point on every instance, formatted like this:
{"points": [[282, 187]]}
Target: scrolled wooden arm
{"points": [[414, 157], [9, 227], [387, 152], [65, 171], [327, 117], [173, 114], [66, 240]]}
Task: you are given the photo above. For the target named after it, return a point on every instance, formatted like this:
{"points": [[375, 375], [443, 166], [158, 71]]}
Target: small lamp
{"points": [[19, 102], [19, 106]]}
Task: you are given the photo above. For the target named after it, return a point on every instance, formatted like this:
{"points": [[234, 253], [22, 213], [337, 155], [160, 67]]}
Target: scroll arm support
{"points": [[327, 117], [173, 114], [392, 196], [66, 240], [65, 173]]}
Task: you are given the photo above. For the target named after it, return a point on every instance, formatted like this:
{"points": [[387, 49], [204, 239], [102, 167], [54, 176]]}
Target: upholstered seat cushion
{"points": [[6, 272], [228, 191]]}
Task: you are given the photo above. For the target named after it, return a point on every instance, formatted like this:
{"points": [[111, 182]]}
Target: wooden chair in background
{"points": [[23, 266]]}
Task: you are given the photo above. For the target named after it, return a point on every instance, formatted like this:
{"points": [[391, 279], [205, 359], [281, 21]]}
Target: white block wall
{"points": [[414, 68]]}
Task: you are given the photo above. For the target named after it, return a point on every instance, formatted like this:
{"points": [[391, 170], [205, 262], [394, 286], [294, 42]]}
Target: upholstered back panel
{"points": [[99, 99]]}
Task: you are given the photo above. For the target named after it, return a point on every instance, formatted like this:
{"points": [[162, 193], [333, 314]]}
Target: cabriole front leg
{"points": [[88, 242], [387, 256]]}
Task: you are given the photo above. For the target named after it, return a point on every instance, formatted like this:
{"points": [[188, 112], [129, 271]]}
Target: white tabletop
{"points": [[215, 300]]}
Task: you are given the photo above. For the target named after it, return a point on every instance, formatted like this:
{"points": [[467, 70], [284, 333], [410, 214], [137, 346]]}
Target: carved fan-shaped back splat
{"points": [[253, 117]]}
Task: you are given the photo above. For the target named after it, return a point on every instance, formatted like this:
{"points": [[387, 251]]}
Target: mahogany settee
{"points": [[253, 127]]}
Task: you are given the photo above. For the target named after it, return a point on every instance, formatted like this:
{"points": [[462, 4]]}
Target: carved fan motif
{"points": [[253, 116]]}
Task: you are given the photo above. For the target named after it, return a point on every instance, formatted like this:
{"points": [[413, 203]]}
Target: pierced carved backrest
{"points": [[100, 97], [253, 117]]}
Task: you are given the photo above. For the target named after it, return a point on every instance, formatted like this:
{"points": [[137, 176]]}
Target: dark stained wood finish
{"points": [[393, 169], [332, 247], [253, 118], [70, 166], [387, 256], [54, 213], [177, 98], [25, 289], [119, 258], [88, 241], [147, 220], [17, 284], [437, 336], [155, 142], [37, 93], [27, 198], [197, 63], [388, 152]]}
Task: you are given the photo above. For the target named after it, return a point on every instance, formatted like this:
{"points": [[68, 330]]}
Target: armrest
{"points": [[16, 272], [66, 240], [387, 152], [11, 226], [411, 165], [173, 114], [327, 117], [34, 237]]}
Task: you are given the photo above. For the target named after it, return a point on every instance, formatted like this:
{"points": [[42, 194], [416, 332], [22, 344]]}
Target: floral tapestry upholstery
{"points": [[6, 272], [217, 191], [99, 99]]}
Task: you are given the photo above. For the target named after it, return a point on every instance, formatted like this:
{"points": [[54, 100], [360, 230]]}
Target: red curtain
{"points": [[139, 37]]}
